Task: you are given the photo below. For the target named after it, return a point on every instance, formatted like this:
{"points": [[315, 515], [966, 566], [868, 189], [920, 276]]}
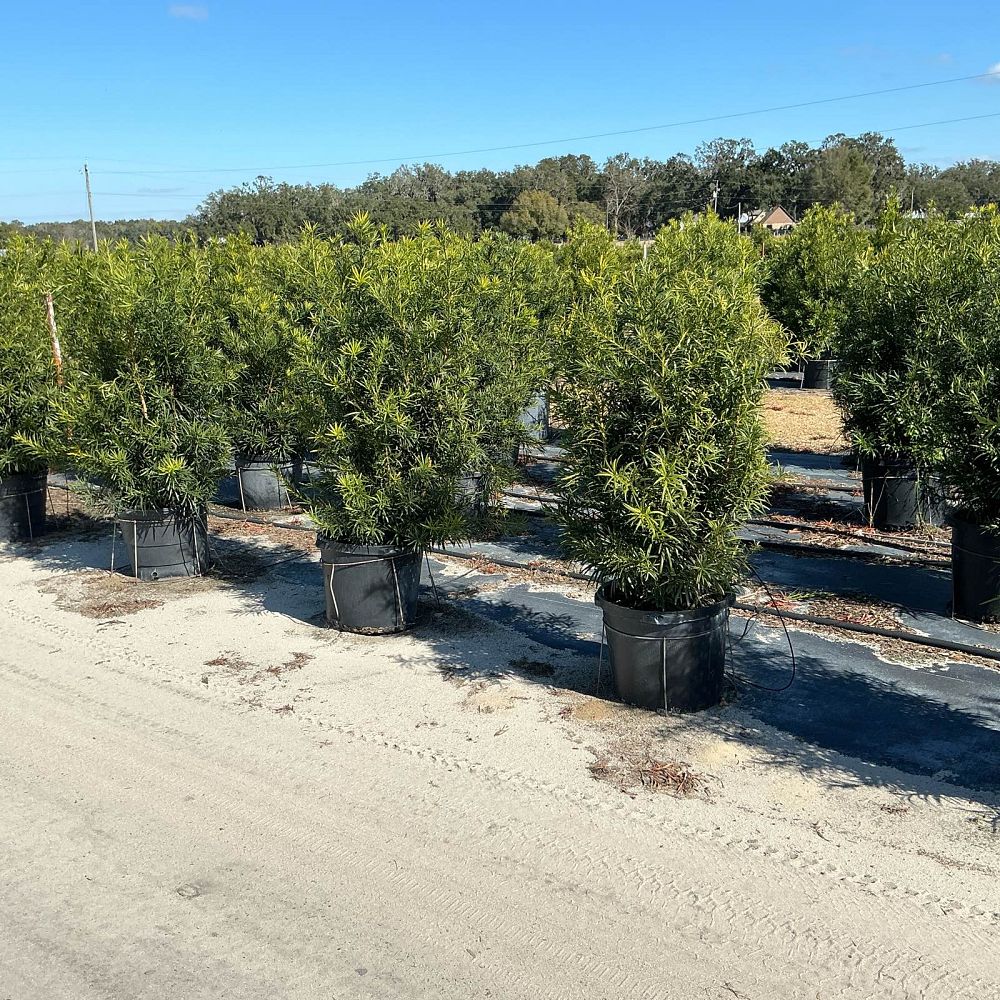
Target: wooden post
{"points": [[54, 333]]}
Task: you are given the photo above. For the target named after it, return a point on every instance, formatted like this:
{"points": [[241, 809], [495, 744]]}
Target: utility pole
{"points": [[715, 197], [90, 205], [739, 217]]}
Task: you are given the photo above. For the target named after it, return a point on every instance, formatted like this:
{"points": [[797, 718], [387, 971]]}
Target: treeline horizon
{"points": [[631, 196]]}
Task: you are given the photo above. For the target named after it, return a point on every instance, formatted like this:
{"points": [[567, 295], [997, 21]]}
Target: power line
{"points": [[992, 74]]}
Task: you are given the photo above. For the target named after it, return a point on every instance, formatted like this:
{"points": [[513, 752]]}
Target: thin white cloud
{"points": [[188, 11], [994, 72]]}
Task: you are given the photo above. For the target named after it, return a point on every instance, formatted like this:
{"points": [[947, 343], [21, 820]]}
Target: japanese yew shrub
{"points": [[661, 395], [146, 385], [30, 429]]}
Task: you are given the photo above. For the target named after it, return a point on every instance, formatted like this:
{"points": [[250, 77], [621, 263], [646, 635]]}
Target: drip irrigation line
{"points": [[911, 637], [846, 533], [825, 551], [884, 633], [788, 639]]}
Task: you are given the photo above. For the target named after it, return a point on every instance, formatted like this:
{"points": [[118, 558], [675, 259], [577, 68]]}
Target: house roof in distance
{"points": [[774, 218]]}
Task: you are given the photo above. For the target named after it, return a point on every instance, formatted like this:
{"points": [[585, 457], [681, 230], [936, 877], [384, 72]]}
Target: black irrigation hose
{"points": [[905, 546], [830, 553], [786, 545], [884, 633]]}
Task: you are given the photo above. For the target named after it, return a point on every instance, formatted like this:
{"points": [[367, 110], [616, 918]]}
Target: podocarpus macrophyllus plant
{"points": [[146, 387], [807, 279], [961, 311], [258, 339], [661, 396], [410, 382], [898, 314], [30, 431]]}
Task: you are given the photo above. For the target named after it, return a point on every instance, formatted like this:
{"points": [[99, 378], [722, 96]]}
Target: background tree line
{"points": [[631, 196]]}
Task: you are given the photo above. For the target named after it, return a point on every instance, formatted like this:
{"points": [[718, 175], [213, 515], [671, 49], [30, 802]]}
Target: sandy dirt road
{"points": [[160, 837]]}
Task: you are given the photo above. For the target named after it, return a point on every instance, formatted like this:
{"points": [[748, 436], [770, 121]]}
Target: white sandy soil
{"points": [[206, 795]]}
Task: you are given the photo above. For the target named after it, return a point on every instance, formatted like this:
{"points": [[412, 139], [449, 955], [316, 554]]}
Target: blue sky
{"points": [[168, 101]]}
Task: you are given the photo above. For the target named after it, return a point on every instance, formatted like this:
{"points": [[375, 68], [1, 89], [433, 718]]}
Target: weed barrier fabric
{"points": [[372, 589], [22, 506], [158, 545]]}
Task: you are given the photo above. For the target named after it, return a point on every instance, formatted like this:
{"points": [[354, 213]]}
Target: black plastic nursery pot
{"points": [[262, 483], [975, 572], [666, 660], [535, 418], [896, 496], [472, 490], [159, 544], [818, 373], [22, 506], [370, 588]]}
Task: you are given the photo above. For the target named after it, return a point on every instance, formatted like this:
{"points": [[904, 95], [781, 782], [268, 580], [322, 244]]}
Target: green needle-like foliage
{"points": [[808, 277], [30, 431], [259, 341], [147, 388], [420, 363], [963, 311], [662, 392], [897, 315]]}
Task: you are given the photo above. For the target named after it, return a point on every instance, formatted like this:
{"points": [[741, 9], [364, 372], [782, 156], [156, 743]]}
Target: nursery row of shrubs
{"points": [[907, 315], [398, 374]]}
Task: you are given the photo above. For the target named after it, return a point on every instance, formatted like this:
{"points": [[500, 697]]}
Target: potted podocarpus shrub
{"points": [[516, 299], [806, 286], [258, 340], [30, 433], [665, 456], [966, 312], [889, 385], [145, 405], [393, 386]]}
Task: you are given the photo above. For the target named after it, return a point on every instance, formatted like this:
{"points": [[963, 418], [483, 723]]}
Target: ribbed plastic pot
{"points": [[22, 506], [262, 483], [672, 661], [535, 418], [160, 544], [818, 374], [975, 572], [370, 588], [897, 497]]}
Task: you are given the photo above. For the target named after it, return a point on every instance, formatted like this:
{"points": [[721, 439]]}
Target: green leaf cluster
{"points": [[422, 355], [664, 377], [30, 431], [146, 385], [808, 279]]}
